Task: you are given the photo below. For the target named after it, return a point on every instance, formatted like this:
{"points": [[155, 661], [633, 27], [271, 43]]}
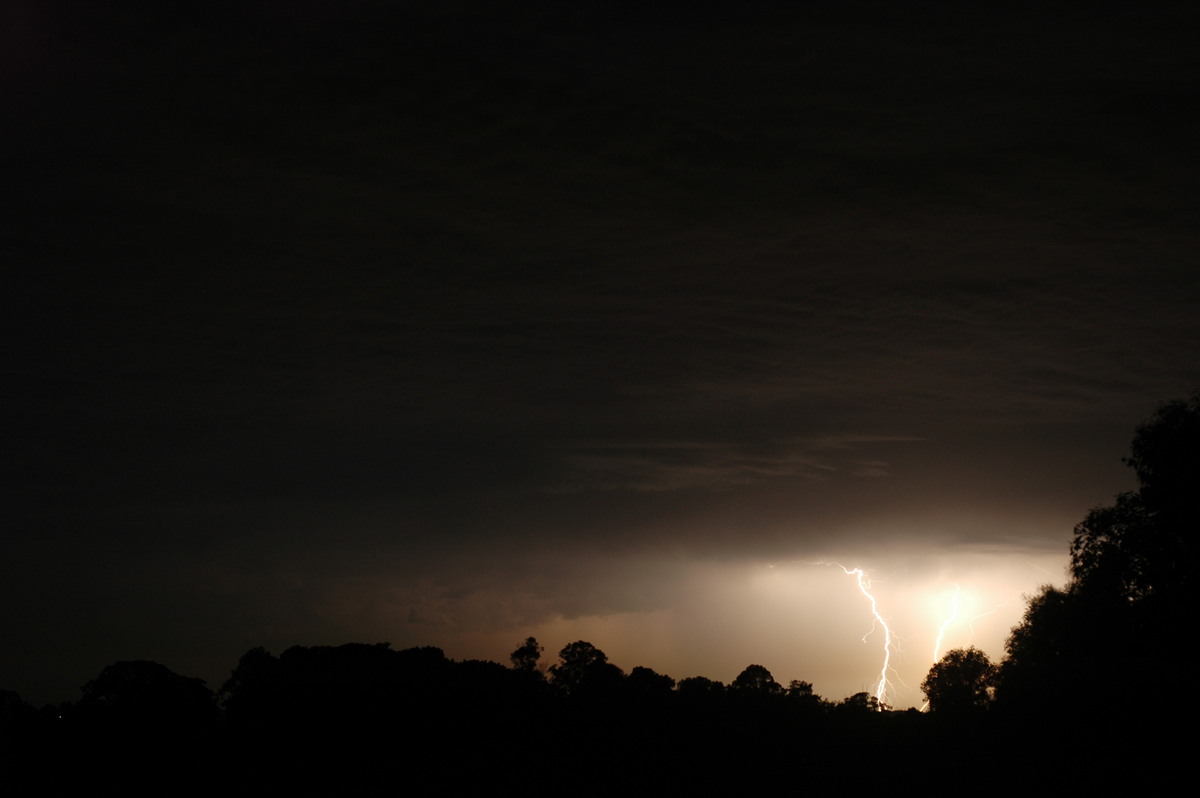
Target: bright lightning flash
{"points": [[961, 612], [951, 618], [955, 611], [941, 635], [864, 585]]}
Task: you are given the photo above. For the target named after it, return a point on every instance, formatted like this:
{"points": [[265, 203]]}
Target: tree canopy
{"points": [[961, 682], [1141, 547], [756, 680], [582, 669], [1116, 620], [526, 656]]}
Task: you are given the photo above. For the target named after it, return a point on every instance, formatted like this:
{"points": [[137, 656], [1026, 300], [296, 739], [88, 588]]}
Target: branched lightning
{"points": [[971, 621], [959, 604], [864, 586]]}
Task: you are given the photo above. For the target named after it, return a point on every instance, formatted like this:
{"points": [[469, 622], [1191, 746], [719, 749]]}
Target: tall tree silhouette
{"points": [[1143, 547], [1116, 621]]}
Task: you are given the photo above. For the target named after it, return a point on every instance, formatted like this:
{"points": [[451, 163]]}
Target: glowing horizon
{"points": [[805, 622]]}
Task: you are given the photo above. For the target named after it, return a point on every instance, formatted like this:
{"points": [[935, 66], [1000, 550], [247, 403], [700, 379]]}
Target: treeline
{"points": [[1091, 692], [367, 716]]}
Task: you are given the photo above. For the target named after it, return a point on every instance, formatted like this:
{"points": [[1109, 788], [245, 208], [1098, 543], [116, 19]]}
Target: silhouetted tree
{"points": [[700, 688], [960, 683], [756, 680], [799, 689], [1143, 547], [1112, 553], [147, 694], [142, 718], [1165, 455], [253, 685], [647, 683], [583, 668], [859, 704], [1130, 589], [526, 657], [1055, 658]]}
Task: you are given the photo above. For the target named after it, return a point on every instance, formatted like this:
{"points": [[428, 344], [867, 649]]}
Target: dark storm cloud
{"points": [[667, 466]]}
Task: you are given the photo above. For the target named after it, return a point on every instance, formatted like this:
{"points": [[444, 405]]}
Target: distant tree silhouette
{"points": [[253, 685], [859, 704], [526, 657], [647, 683], [700, 688], [801, 696], [140, 721], [584, 669], [799, 689], [756, 680], [337, 692], [960, 683], [147, 695]]}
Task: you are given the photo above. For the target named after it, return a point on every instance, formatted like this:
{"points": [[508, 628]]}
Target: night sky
{"points": [[453, 323]]}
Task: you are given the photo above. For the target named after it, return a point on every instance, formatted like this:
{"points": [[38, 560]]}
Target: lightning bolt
{"points": [[937, 644], [885, 685], [971, 621], [954, 610], [864, 586], [941, 635]]}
